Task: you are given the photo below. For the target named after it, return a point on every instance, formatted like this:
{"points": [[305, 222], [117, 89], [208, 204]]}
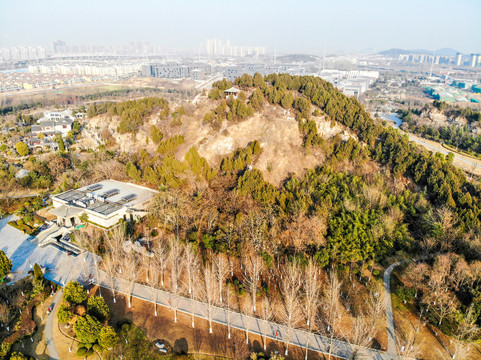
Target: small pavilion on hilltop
{"points": [[232, 92]]}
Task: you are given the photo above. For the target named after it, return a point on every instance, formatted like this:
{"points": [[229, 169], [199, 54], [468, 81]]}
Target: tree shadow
{"points": [[181, 346], [257, 347], [375, 344]]}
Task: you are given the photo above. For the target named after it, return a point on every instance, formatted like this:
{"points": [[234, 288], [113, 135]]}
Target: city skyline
{"points": [[308, 27]]}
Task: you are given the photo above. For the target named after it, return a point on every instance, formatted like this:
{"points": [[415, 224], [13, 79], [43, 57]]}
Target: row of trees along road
{"points": [[295, 294]]}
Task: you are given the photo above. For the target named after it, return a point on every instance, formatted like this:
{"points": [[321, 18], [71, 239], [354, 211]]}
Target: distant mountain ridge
{"points": [[298, 58], [396, 52]]}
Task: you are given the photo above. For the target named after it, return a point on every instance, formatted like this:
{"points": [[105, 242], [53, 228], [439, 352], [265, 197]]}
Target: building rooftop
{"points": [[105, 197], [232, 90]]}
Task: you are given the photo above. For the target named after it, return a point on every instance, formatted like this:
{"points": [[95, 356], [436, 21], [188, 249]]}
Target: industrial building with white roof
{"points": [[104, 203]]}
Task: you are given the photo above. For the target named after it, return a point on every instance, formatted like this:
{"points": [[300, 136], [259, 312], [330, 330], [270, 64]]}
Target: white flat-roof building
{"points": [[57, 115], [62, 126], [54, 122], [104, 203]]}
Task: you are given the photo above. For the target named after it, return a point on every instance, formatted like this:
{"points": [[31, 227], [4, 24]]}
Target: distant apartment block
{"points": [[22, 53], [425, 58], [94, 69], [60, 48], [234, 71], [196, 71], [215, 47]]}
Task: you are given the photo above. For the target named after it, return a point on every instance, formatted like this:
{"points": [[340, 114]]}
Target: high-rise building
{"points": [[474, 60], [215, 47], [459, 58], [57, 44]]}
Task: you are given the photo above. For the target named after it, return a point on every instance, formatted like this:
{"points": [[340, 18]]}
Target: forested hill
{"points": [[371, 196], [444, 184], [366, 198]]}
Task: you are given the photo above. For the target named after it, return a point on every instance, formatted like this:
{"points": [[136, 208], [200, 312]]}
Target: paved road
{"points": [[440, 149], [436, 147], [52, 349], [391, 337]]}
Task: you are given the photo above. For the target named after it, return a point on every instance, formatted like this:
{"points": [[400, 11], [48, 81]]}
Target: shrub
{"points": [[74, 293], [98, 308], [64, 314], [5, 265], [81, 352], [18, 356], [405, 294], [108, 337], [87, 329]]}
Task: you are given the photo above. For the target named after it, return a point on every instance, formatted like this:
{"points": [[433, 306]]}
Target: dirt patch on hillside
{"points": [[275, 128], [278, 133]]}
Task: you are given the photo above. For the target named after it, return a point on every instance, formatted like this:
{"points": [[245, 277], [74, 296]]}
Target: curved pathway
{"points": [[391, 337], [52, 349]]}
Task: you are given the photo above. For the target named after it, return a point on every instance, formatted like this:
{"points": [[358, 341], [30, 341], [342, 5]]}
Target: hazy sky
{"points": [[296, 25]]}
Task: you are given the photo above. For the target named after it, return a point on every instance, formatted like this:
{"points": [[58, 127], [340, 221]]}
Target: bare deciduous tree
{"points": [[254, 229], [208, 292], [461, 274], [290, 286], [175, 268], [331, 307], [161, 253], [175, 264], [191, 263], [406, 344], [228, 312], [376, 307], [266, 316], [110, 265], [312, 289], [4, 313], [222, 270], [465, 333], [91, 244], [253, 267], [114, 240], [130, 272], [360, 331], [170, 208], [153, 281]]}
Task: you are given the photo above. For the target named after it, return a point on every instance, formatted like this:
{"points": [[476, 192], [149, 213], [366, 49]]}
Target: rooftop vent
{"points": [[94, 187], [110, 193], [127, 198]]}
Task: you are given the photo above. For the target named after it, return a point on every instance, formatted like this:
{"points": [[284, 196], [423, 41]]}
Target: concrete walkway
{"points": [[52, 349], [64, 268], [243, 322], [391, 336]]}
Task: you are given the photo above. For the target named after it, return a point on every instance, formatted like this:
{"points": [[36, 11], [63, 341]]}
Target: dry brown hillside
{"points": [[275, 128]]}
